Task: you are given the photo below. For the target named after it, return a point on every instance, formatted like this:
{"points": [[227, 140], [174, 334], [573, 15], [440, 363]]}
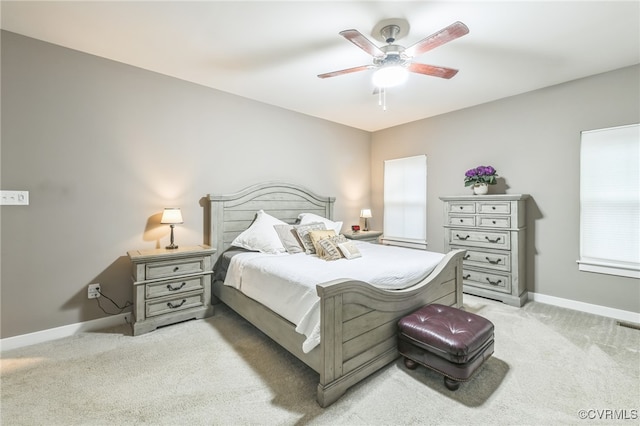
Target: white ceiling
{"points": [[272, 51]]}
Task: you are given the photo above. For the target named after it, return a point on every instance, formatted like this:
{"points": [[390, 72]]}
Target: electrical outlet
{"points": [[93, 291]]}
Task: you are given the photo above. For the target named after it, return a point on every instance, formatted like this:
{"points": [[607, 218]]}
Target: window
{"points": [[610, 201], [405, 202]]}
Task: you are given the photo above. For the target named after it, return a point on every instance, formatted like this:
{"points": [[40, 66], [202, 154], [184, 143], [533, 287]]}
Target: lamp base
{"points": [[171, 246]]}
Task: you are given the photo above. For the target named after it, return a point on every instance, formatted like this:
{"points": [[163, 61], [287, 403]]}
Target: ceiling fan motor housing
{"points": [[390, 33], [393, 55]]}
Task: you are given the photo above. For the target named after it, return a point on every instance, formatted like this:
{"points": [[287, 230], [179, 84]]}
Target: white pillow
{"points": [[261, 235], [306, 218]]}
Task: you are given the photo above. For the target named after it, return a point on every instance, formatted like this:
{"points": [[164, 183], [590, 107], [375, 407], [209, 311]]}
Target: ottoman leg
{"points": [[451, 384], [410, 364]]}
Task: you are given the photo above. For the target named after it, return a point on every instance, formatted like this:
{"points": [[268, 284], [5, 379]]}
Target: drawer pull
{"points": [[493, 207], [466, 257], [461, 207], [175, 288], [494, 282], [466, 277], [176, 269], [493, 262], [461, 220], [492, 241], [462, 238], [172, 306], [493, 221]]}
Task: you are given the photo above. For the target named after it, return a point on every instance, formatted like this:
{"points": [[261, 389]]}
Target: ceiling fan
{"points": [[394, 60]]}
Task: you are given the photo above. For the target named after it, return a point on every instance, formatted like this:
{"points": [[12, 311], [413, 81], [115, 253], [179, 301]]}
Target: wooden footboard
{"points": [[359, 323]]}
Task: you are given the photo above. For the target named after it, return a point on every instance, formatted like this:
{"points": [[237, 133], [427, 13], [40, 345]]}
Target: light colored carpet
{"points": [[549, 363]]}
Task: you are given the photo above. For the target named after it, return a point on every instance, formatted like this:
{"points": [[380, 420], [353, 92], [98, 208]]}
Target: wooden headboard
{"points": [[229, 215]]}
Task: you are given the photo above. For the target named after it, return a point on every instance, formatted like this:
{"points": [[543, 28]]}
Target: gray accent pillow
{"points": [[303, 234], [289, 238]]}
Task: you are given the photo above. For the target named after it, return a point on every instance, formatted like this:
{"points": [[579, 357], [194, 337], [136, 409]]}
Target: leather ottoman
{"points": [[453, 342]]}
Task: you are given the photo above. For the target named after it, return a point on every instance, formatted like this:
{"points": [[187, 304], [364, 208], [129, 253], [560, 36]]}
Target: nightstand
{"points": [[170, 286], [369, 236]]}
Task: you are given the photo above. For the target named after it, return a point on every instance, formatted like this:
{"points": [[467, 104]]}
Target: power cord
{"points": [[121, 308]]}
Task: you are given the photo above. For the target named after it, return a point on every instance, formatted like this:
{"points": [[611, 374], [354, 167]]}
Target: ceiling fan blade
{"points": [[432, 70], [445, 35], [345, 71], [355, 37]]}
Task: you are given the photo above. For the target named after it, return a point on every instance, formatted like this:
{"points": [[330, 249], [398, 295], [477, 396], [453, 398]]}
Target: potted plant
{"points": [[480, 178]]}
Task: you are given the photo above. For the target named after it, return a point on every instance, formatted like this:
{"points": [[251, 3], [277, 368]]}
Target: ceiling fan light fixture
{"points": [[390, 76]]}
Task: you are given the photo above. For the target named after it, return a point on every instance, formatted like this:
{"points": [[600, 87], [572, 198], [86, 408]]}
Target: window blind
{"points": [[610, 201], [405, 201]]}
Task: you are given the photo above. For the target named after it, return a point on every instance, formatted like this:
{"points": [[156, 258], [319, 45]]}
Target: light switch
{"points": [[14, 198]]}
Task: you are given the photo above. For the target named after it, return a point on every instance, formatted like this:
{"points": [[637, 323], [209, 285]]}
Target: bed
{"points": [[358, 322]]}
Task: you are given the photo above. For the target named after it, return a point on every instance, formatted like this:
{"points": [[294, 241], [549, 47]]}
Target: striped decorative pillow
{"points": [[303, 234], [330, 247]]}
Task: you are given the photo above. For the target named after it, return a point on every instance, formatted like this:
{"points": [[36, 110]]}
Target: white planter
{"points": [[480, 188]]}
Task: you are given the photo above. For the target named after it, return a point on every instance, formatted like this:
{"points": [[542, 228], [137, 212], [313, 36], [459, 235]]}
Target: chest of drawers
{"points": [[491, 228], [170, 286]]}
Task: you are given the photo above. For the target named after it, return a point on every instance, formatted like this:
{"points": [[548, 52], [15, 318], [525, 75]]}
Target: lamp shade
{"points": [[390, 76], [365, 213], [171, 215]]}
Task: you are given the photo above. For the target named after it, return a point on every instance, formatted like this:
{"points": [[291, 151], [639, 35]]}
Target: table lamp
{"points": [[171, 216], [365, 214]]}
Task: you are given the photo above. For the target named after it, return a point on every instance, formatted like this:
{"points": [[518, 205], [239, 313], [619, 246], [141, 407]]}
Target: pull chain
{"points": [[382, 98]]}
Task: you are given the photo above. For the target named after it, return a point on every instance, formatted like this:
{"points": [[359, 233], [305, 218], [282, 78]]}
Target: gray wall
{"points": [[533, 140], [103, 147]]}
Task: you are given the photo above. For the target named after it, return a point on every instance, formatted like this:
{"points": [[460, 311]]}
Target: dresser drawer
{"points": [[154, 270], [166, 288], [462, 220], [494, 221], [496, 282], [494, 207], [467, 237], [485, 259], [173, 304], [462, 207]]}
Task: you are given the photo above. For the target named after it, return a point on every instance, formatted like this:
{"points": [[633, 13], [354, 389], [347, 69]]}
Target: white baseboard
{"points": [[63, 331], [619, 314]]}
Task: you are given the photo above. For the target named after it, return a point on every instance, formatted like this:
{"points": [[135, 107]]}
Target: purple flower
{"points": [[480, 174]]}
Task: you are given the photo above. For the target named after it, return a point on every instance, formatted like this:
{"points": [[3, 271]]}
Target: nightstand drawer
{"points": [[494, 221], [166, 288], [466, 237], [485, 259], [173, 268], [174, 304], [496, 282], [462, 220]]}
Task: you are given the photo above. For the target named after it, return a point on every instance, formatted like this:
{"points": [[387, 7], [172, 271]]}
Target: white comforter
{"points": [[286, 283]]}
